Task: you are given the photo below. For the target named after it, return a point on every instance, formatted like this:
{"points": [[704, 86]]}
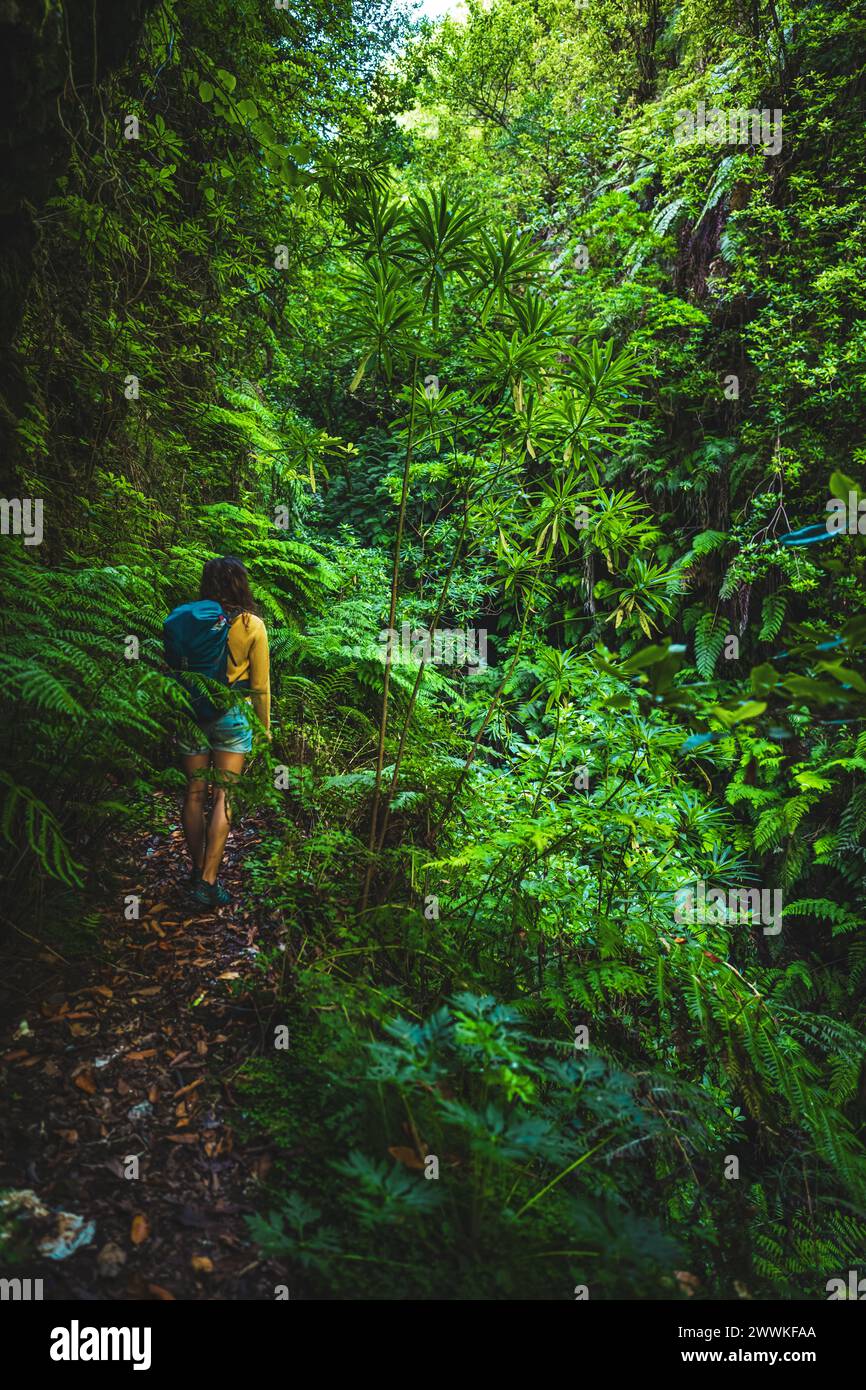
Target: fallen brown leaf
{"points": [[191, 1087], [140, 1229], [406, 1156]]}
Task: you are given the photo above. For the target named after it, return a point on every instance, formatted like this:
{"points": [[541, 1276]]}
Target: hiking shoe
{"points": [[211, 894]]}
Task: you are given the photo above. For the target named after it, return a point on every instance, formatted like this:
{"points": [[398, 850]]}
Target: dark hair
{"points": [[226, 581]]}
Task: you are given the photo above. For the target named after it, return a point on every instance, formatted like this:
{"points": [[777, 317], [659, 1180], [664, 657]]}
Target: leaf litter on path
{"points": [[122, 1053]]}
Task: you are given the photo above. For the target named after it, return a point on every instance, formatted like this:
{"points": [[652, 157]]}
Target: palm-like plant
{"points": [[506, 264], [375, 225], [437, 240], [645, 592], [384, 319], [524, 351]]}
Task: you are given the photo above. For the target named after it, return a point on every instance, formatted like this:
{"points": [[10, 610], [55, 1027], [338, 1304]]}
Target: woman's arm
{"points": [[260, 675]]}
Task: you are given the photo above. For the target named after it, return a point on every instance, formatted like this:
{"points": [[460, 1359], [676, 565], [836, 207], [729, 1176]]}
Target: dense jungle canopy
{"points": [[532, 333]]}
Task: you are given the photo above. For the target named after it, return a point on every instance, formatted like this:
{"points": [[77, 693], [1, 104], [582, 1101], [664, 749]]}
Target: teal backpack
{"points": [[196, 638]]}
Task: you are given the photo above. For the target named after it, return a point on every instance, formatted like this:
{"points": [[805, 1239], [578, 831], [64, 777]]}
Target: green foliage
{"points": [[432, 328], [497, 1162]]}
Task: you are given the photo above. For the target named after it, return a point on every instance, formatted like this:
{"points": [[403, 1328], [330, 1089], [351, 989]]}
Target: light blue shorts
{"points": [[230, 733]]}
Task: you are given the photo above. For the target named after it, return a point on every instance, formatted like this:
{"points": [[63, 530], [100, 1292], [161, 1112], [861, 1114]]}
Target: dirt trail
{"points": [[130, 1053]]}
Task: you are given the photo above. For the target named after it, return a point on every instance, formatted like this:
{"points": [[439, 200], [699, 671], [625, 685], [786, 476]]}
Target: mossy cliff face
{"points": [[52, 56]]}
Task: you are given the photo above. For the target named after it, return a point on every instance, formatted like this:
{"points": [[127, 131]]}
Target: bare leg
{"points": [[228, 767], [194, 802]]}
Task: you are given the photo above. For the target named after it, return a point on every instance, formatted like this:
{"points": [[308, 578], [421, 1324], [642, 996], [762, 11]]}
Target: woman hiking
{"points": [[219, 637]]}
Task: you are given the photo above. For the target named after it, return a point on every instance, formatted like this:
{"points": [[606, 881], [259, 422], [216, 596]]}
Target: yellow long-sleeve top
{"points": [[249, 660]]}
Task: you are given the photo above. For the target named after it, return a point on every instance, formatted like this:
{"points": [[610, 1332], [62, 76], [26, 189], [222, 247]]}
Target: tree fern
{"points": [[709, 641], [772, 617]]}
